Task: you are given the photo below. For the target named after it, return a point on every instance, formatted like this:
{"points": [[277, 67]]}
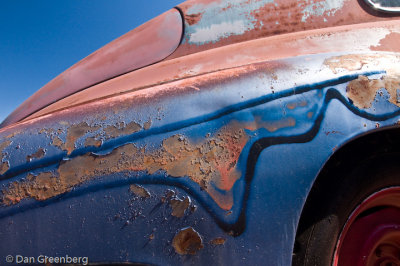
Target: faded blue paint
{"points": [[311, 8], [269, 199], [221, 20]]}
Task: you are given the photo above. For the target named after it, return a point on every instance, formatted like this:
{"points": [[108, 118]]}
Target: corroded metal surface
{"points": [[210, 24], [362, 91], [361, 38], [145, 45], [187, 241], [207, 136], [212, 161], [184, 161]]}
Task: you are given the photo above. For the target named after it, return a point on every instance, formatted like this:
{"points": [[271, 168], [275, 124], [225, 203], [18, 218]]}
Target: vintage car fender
{"points": [[210, 155]]}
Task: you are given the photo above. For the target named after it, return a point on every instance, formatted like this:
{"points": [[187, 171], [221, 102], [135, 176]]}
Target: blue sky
{"points": [[42, 38]]}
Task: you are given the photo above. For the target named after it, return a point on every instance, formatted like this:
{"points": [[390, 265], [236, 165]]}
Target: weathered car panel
{"points": [[210, 24], [222, 153], [207, 158], [382, 36]]}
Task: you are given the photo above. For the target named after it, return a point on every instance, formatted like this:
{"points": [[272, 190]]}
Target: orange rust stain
{"points": [[139, 191], [354, 62], [4, 166], [147, 125], [122, 129], [224, 201], [273, 126], [231, 145], [4, 145], [204, 163], [193, 18], [187, 241], [179, 206], [348, 62], [13, 134], [40, 187], [56, 141], [390, 43], [218, 241], [294, 105], [38, 154], [75, 132], [92, 141], [362, 91]]}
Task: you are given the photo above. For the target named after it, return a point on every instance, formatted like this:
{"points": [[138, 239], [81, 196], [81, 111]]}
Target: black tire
{"points": [[333, 199]]}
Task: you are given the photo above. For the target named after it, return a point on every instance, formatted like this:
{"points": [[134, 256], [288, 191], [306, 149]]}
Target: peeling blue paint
{"points": [[221, 20], [319, 8]]}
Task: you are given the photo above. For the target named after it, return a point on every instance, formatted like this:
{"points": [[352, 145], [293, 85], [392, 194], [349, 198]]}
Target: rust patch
{"points": [[211, 163], [4, 145], [122, 129], [193, 18], [218, 241], [179, 206], [56, 141], [354, 62], [348, 62], [4, 166], [273, 126], [167, 195], [390, 43], [294, 105], [40, 187], [38, 154], [147, 125], [92, 141], [75, 132], [139, 191], [187, 241], [362, 91], [274, 18]]}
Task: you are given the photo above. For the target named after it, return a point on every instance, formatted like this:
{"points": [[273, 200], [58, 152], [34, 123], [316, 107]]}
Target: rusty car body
{"points": [[219, 132]]}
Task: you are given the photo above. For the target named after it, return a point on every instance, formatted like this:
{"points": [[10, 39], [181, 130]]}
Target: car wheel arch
{"points": [[381, 146]]}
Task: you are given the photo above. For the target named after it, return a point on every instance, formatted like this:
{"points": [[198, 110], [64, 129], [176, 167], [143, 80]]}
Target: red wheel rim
{"points": [[371, 235]]}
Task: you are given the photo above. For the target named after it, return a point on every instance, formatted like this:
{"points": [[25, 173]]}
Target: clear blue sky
{"points": [[39, 39]]}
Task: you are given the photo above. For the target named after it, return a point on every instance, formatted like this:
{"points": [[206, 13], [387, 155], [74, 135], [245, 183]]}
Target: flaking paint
{"points": [[220, 19], [37, 155], [179, 205], [4, 165], [139, 191], [312, 8], [209, 163], [362, 91], [187, 241]]}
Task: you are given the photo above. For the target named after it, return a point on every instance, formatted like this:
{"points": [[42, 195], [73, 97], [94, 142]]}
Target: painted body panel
{"points": [[145, 45], [369, 37], [210, 24], [202, 159], [223, 154]]}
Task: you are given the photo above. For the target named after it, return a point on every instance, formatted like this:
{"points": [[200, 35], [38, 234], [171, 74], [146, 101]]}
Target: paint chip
{"points": [[187, 241]]}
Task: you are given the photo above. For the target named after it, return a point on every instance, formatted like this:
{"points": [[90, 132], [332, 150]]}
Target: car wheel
{"points": [[354, 218]]}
